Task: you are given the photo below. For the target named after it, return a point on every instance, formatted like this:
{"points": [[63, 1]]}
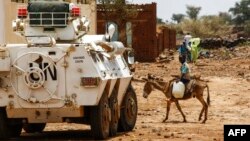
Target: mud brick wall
{"points": [[166, 38], [144, 40]]}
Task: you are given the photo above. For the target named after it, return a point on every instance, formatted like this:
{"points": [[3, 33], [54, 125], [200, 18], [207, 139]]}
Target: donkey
{"points": [[166, 88]]}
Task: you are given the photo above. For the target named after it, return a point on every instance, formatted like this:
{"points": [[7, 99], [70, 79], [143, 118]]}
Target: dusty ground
{"points": [[228, 73]]}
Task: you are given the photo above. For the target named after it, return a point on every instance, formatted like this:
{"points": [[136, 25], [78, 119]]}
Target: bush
{"points": [[247, 28], [208, 26]]}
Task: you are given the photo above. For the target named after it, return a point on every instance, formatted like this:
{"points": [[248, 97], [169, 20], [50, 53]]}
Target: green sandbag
{"points": [[48, 6], [195, 48], [59, 10]]}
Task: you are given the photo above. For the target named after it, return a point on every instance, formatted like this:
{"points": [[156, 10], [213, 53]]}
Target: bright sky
{"points": [[166, 8]]}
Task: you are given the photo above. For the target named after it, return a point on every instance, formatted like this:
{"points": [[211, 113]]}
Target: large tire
{"points": [[99, 118], [114, 107], [34, 127], [129, 109], [4, 128], [16, 130], [8, 130]]}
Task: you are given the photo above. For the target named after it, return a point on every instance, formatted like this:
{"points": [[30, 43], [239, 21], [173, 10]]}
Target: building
{"points": [[140, 31], [8, 12]]}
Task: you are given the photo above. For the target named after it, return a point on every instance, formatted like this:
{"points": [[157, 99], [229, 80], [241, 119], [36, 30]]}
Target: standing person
{"points": [[183, 50], [187, 41]]}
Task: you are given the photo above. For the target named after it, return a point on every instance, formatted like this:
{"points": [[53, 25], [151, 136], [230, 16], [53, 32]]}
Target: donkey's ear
{"points": [[144, 79], [151, 76], [158, 79]]}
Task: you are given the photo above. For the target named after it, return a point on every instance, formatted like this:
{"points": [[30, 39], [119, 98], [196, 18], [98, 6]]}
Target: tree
{"points": [[159, 21], [241, 12], [178, 17], [112, 7], [193, 11], [225, 17]]}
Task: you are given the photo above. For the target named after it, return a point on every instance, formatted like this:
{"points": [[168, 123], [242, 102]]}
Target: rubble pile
{"points": [[165, 56], [210, 43], [225, 53]]}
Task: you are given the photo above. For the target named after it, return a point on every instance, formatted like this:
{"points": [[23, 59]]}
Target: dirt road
{"points": [[229, 83]]}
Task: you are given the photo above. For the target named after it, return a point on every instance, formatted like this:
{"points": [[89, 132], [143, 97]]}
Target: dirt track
{"points": [[229, 83]]}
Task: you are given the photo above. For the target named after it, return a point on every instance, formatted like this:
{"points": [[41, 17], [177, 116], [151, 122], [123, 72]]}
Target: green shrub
{"points": [[208, 26]]}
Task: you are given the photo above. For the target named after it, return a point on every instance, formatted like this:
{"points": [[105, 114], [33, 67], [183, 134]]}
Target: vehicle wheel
{"points": [[113, 103], [4, 127], [100, 118], [129, 110], [34, 127], [16, 130]]}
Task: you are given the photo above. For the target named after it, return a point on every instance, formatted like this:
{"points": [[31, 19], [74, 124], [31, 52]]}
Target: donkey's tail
{"points": [[208, 95]]}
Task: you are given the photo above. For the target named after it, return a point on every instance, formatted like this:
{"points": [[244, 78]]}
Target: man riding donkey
{"points": [[185, 76], [180, 88]]}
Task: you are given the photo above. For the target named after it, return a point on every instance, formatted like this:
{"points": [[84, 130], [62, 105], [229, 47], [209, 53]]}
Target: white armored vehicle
{"points": [[63, 75]]}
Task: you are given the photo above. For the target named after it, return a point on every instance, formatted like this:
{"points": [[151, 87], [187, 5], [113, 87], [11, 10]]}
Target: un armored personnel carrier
{"points": [[63, 75]]}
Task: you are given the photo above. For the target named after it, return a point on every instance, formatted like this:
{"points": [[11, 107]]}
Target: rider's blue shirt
{"points": [[185, 70]]}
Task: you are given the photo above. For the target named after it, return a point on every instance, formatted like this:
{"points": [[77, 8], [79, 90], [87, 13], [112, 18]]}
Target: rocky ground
{"points": [[228, 73]]}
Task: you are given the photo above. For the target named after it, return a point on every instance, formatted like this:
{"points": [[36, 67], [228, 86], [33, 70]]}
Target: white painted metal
{"points": [[45, 77]]}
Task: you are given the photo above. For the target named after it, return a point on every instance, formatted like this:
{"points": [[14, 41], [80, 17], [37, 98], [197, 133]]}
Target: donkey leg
{"points": [[179, 108], [201, 113], [168, 109], [204, 108]]}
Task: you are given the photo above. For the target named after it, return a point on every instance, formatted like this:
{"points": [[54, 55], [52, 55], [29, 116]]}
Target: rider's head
{"points": [[182, 59]]}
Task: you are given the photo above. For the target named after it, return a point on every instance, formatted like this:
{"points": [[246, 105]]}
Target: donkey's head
{"points": [[149, 85], [147, 89]]}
